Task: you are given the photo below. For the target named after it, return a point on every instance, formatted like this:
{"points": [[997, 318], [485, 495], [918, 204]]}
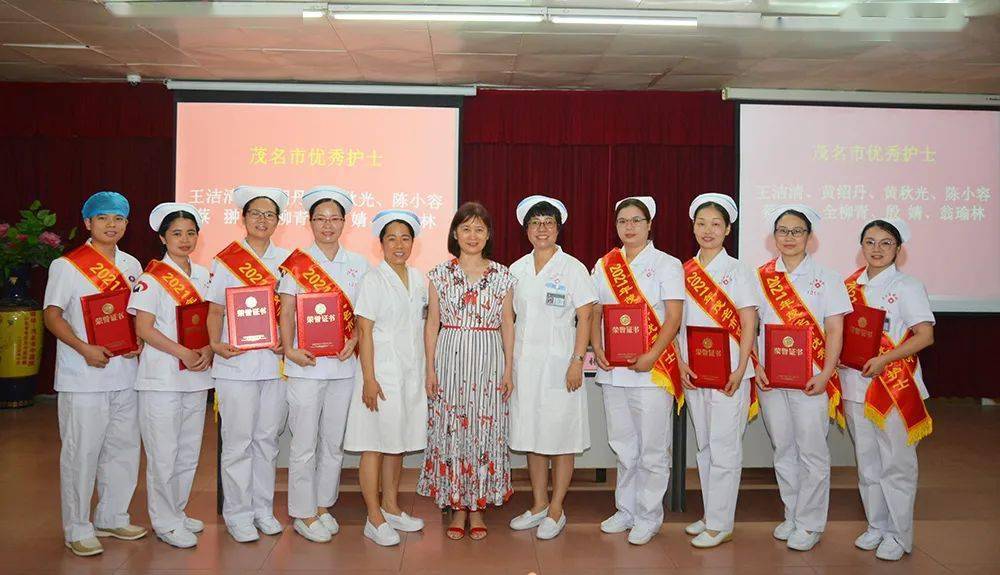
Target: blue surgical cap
{"points": [[111, 203]]}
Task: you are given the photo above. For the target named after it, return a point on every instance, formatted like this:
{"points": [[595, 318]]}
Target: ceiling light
{"points": [[435, 13], [51, 46], [623, 21], [313, 13]]}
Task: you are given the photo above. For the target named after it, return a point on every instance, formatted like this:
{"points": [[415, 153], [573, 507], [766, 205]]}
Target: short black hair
{"points": [[312, 208], [246, 206], [718, 207], [796, 213], [883, 225], [544, 209], [470, 211], [169, 219], [381, 233], [634, 203]]}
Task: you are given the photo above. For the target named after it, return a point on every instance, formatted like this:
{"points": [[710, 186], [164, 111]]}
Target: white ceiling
{"points": [[542, 55]]}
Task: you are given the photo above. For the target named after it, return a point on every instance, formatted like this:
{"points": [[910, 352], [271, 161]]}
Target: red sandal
{"points": [[477, 533], [455, 533]]}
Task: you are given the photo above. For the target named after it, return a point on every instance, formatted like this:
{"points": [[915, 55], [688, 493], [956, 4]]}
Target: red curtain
{"points": [[61, 142]]}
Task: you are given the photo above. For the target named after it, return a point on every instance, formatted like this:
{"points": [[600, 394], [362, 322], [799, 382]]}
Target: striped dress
{"points": [[466, 463]]}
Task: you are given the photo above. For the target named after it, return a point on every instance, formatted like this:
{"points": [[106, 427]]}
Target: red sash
{"points": [[788, 304], [247, 267], [715, 302], [666, 373], [897, 385], [176, 284], [99, 270], [312, 278]]}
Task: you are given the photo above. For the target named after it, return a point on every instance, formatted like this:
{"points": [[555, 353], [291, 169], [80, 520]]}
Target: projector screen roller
{"points": [[938, 170], [385, 156]]}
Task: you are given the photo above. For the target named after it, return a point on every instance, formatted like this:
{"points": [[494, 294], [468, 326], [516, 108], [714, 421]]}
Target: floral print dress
{"points": [[466, 463]]}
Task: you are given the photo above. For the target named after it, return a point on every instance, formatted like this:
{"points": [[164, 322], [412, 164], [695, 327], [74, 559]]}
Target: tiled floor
{"points": [[958, 522]]}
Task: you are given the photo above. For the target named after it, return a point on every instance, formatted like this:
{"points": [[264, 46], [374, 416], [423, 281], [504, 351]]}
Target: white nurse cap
{"points": [[526, 204], [810, 214], [386, 217], [319, 193], [902, 227], [723, 200], [243, 195], [166, 208], [647, 201]]}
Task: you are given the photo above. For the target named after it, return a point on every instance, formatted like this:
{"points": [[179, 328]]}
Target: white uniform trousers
{"points": [[719, 422], [317, 418], [100, 442], [640, 420], [253, 416], [798, 425], [887, 472], [172, 423]]}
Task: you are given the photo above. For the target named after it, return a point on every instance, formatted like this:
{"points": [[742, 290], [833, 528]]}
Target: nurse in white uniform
{"points": [[171, 400], [319, 388], [886, 428], [639, 411], [798, 421], [719, 415], [548, 408], [248, 384], [388, 414], [98, 408]]}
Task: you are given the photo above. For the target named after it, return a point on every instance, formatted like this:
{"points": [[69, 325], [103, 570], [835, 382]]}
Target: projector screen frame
{"points": [[938, 306]]}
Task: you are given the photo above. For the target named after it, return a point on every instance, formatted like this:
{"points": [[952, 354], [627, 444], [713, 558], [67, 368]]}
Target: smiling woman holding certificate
{"points": [[317, 326], [884, 399], [722, 297], [247, 382], [804, 303], [173, 380], [641, 299], [388, 414]]}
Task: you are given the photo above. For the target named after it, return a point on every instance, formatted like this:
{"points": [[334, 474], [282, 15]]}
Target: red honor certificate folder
{"points": [[107, 322], [789, 355], [708, 356], [319, 324], [625, 335], [251, 317], [192, 331], [862, 335]]}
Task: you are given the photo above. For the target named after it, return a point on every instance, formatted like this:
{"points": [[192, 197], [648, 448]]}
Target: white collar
{"points": [[717, 262], [321, 257], [806, 265], [170, 262], [648, 248], [268, 253], [884, 277]]}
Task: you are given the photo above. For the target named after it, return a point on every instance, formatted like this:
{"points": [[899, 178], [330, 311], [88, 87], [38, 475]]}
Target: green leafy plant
{"points": [[30, 242]]}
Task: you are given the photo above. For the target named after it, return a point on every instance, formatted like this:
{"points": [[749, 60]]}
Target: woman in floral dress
{"points": [[469, 339]]}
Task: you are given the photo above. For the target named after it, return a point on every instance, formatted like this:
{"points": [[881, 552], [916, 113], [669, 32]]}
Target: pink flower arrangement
{"points": [[30, 242], [3, 229], [50, 239]]}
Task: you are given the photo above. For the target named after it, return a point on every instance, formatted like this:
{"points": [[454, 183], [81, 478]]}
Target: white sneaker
{"points": [[268, 525], [802, 540], [527, 520], [180, 537], [706, 541], [315, 532], [194, 525], [890, 550], [868, 540], [641, 535], [243, 533], [384, 534], [550, 528], [620, 522], [403, 522], [784, 530], [695, 528], [330, 523]]}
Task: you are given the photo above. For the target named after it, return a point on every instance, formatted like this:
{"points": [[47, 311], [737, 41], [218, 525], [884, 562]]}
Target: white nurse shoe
{"points": [[403, 522], [617, 523], [868, 540], [890, 550], [784, 530], [550, 528], [706, 541], [330, 523], [384, 534], [528, 520], [802, 540], [314, 532], [180, 538], [695, 528]]}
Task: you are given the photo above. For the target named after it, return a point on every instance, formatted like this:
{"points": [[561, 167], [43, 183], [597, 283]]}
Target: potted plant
{"points": [[28, 244]]}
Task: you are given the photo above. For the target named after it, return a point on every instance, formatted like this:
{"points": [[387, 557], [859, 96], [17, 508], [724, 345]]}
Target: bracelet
{"points": [[577, 357]]}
